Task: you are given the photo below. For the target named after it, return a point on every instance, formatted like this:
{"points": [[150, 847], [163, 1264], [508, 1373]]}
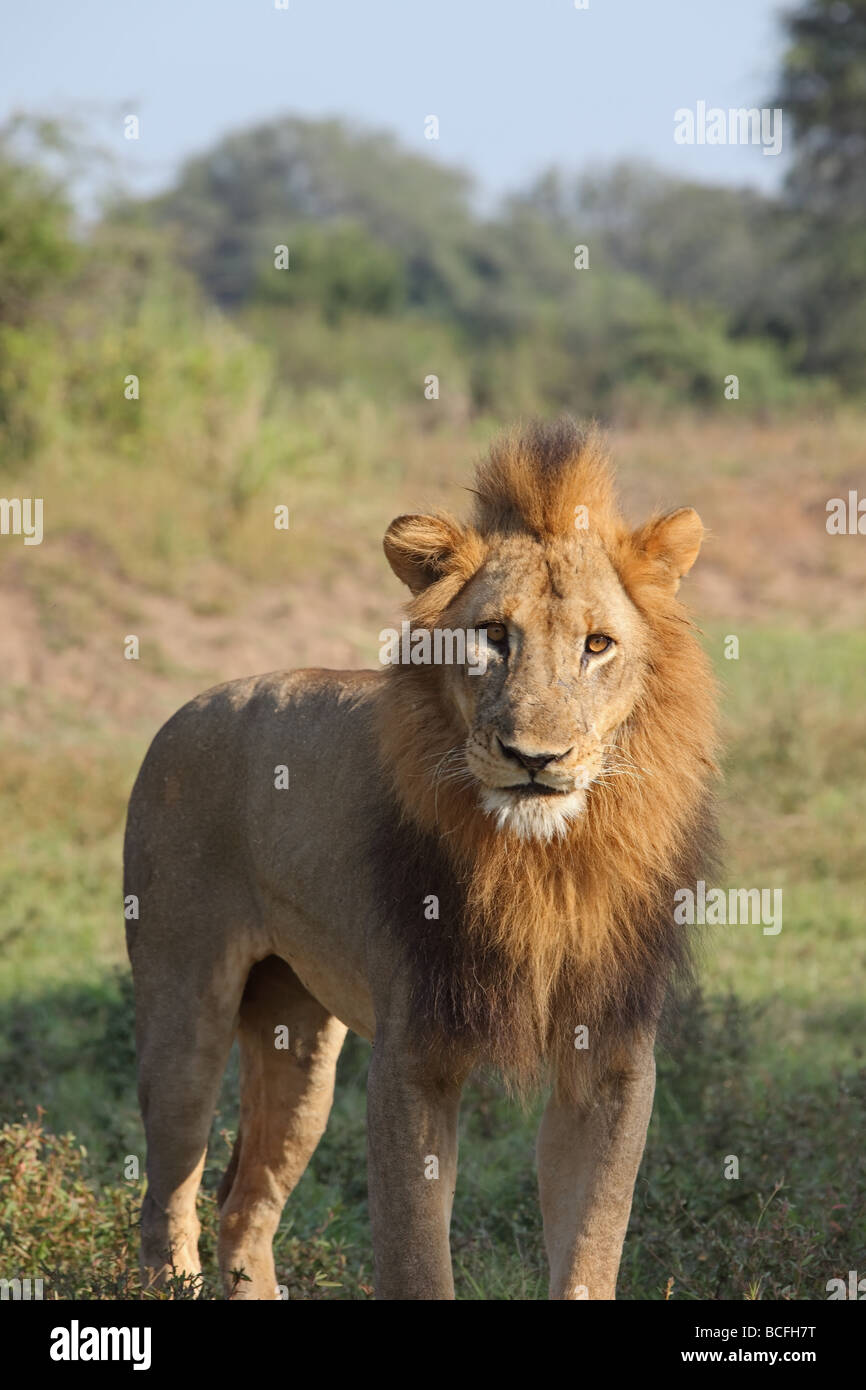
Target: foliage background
{"points": [[305, 387]]}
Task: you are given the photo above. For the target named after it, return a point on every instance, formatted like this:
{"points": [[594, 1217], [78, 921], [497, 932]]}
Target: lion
{"points": [[471, 865]]}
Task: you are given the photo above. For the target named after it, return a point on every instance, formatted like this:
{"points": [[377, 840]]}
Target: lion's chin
{"points": [[533, 817]]}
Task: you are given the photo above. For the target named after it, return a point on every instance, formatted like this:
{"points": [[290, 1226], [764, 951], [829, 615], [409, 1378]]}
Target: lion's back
{"points": [[191, 794]]}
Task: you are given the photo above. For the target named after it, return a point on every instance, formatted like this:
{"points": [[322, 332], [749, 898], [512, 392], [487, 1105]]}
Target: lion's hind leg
{"points": [[182, 1054], [289, 1046]]}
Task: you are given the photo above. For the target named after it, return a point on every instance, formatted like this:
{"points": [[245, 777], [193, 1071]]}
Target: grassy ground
{"points": [[766, 1064]]}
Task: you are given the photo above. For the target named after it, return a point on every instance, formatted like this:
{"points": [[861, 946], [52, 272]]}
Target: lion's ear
{"points": [[419, 548], [673, 542]]}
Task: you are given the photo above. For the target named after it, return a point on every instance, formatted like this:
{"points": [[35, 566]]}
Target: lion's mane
{"points": [[535, 939]]}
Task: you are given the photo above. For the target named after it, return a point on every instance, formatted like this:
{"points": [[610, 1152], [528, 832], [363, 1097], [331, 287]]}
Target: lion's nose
{"points": [[533, 762]]}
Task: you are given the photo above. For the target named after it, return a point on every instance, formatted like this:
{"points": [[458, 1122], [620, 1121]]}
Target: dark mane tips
{"points": [[536, 476]]}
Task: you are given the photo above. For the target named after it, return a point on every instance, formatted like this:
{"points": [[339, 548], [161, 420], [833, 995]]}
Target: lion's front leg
{"points": [[412, 1172], [588, 1158]]}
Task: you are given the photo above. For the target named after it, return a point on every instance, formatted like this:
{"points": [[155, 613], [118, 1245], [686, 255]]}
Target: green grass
{"points": [[766, 1064], [795, 811]]}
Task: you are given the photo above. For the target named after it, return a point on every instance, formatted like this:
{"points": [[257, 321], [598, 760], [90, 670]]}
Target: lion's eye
{"points": [[597, 642], [497, 633]]}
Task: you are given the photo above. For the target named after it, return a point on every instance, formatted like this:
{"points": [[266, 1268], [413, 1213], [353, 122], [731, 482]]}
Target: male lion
{"points": [[468, 869]]}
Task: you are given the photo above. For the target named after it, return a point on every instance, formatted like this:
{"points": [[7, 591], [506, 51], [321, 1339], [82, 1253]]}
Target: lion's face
{"points": [[566, 652], [570, 643]]}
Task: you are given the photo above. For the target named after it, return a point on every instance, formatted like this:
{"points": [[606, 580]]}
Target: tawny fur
{"points": [[265, 910], [545, 936]]}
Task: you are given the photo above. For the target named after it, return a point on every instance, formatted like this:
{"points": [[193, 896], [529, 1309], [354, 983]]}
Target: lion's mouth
{"points": [[529, 789]]}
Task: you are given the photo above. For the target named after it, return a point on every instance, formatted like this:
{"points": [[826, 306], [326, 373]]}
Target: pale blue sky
{"points": [[516, 84]]}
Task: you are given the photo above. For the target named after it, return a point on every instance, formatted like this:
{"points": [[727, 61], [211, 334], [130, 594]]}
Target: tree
{"points": [[823, 93], [289, 175], [36, 246]]}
